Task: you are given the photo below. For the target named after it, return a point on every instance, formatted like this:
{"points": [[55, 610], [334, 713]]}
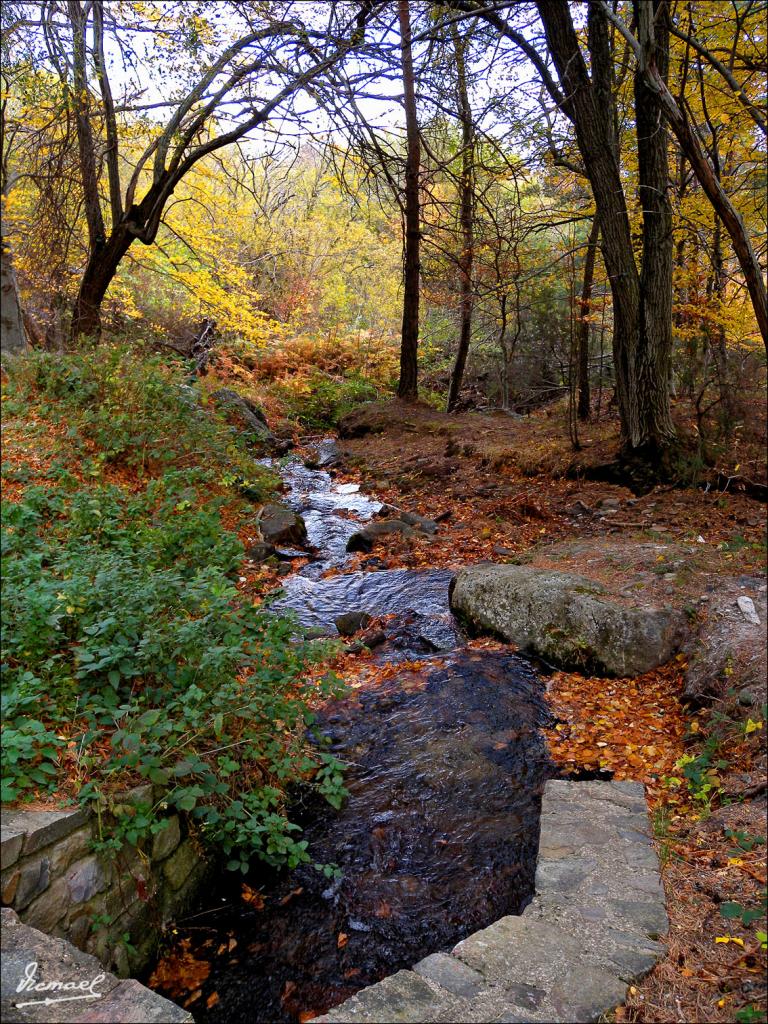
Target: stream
{"points": [[439, 834]]}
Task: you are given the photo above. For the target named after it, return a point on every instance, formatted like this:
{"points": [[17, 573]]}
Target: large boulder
{"points": [[245, 414], [569, 620], [729, 650], [281, 525]]}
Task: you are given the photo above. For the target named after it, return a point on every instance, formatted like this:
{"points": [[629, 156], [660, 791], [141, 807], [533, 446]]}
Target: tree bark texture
{"points": [[408, 387], [584, 404], [653, 367], [594, 125], [13, 337], [466, 223]]}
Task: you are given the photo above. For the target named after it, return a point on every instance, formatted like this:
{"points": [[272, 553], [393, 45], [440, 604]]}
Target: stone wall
{"points": [[113, 907]]}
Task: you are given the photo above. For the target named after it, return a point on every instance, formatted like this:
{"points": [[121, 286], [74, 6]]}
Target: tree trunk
{"points": [[13, 337], [654, 351], [466, 221], [594, 126], [688, 138], [98, 275], [502, 342], [408, 387], [584, 403]]}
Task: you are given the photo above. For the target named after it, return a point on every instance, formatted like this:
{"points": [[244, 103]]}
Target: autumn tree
{"points": [[231, 70], [585, 93], [647, 50], [466, 216]]}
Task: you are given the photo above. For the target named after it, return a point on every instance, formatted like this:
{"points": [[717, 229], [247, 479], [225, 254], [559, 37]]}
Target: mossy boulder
{"points": [[569, 620]]}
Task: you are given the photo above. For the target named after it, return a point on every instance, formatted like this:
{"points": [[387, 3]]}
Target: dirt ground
{"points": [[505, 489]]}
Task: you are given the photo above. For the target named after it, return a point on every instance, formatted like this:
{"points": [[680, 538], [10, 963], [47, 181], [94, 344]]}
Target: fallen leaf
{"points": [[252, 897]]}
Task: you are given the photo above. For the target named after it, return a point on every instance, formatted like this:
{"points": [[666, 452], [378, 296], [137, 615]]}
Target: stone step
{"points": [[592, 928], [46, 980]]}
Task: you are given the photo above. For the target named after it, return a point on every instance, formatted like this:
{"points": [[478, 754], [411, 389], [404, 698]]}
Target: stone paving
{"points": [[92, 996], [592, 928]]}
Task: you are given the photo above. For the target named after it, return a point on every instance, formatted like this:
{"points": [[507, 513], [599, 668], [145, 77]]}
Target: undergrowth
{"points": [[128, 654]]}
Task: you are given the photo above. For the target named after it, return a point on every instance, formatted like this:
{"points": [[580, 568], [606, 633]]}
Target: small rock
{"points": [[374, 562], [48, 909], [422, 523], [34, 879], [283, 569], [85, 878], [747, 609], [288, 554], [374, 638], [43, 827], [246, 414], [11, 843], [180, 864], [281, 525], [260, 552], [746, 698], [501, 551], [166, 841], [451, 974], [350, 622], [363, 540], [70, 849]]}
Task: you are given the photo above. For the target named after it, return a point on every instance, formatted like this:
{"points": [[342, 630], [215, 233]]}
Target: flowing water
{"points": [[439, 833]]}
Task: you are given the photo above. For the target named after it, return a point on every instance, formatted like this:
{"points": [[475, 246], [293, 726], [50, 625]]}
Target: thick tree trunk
{"points": [[654, 351], [466, 221], [584, 403], [719, 346], [13, 337], [408, 387], [98, 275], [594, 125]]}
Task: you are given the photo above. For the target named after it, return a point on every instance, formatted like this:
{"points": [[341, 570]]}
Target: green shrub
{"points": [[128, 653], [138, 411], [327, 399]]}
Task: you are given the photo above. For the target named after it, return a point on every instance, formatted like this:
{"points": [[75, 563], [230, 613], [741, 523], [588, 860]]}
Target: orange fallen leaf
{"points": [[291, 894], [342, 940], [252, 897]]}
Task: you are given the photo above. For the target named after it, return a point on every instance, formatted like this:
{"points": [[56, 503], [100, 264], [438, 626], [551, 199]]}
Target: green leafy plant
{"points": [[326, 398], [745, 842], [750, 1015], [700, 772], [128, 654], [747, 915]]}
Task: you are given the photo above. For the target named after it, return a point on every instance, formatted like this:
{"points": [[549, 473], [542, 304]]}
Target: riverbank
{"points": [[502, 485]]}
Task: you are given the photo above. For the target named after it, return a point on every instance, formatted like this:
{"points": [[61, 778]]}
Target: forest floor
{"points": [[500, 488], [503, 491]]}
